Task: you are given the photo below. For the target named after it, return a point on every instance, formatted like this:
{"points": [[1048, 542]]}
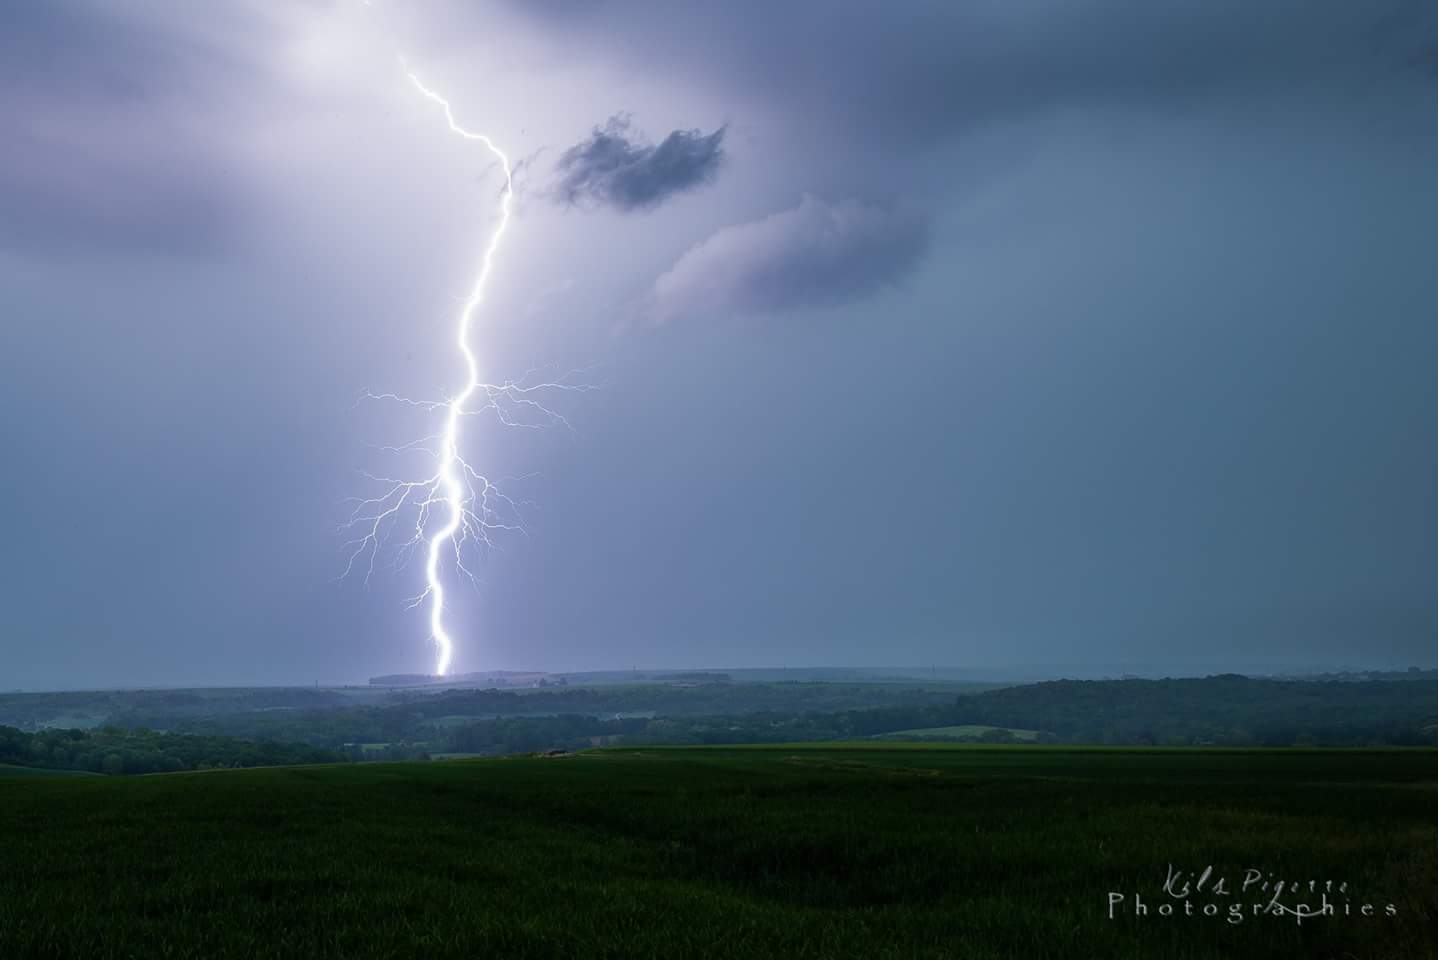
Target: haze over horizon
{"points": [[987, 335]]}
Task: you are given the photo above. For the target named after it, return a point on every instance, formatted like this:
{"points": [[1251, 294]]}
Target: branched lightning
{"points": [[468, 508]]}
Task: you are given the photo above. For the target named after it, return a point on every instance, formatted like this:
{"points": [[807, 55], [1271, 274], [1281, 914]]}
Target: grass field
{"points": [[857, 850]]}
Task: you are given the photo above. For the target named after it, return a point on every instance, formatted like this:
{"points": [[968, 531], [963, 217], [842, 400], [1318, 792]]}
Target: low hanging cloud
{"points": [[816, 253], [616, 168]]}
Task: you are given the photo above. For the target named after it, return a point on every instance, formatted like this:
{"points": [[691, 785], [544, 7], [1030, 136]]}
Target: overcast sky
{"points": [[971, 333]]}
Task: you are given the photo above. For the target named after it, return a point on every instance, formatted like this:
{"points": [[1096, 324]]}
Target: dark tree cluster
{"points": [[112, 750], [1227, 710]]}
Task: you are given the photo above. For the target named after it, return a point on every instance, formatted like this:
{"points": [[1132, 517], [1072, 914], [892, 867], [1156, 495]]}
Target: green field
{"points": [[968, 731], [855, 850]]}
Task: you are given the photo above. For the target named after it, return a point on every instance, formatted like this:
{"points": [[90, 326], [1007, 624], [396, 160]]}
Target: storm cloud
{"points": [[110, 148], [614, 167], [815, 253], [948, 69]]}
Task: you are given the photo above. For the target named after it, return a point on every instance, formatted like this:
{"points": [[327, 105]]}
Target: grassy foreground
{"points": [[793, 851]]}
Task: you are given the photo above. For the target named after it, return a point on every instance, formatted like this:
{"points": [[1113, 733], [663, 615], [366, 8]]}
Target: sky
{"points": [[972, 333]]}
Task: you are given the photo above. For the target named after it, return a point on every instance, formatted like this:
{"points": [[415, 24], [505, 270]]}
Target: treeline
{"points": [[332, 727], [1228, 710], [504, 735], [783, 727], [35, 710], [115, 751], [417, 718], [710, 695], [578, 731], [530, 734]]}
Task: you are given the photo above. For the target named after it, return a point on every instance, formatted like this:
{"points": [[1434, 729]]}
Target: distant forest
{"points": [[115, 751], [175, 730]]}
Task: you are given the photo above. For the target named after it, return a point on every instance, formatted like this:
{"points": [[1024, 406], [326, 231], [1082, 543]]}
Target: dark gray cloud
{"points": [[925, 71], [813, 254], [614, 167]]}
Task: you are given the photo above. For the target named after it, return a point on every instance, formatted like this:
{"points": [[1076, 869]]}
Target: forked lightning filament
{"points": [[473, 508]]}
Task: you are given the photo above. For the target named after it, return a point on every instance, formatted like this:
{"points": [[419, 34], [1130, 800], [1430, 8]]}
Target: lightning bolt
{"points": [[450, 460], [472, 506]]}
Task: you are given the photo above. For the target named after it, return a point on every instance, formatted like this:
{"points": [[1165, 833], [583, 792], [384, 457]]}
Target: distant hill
{"points": [[1223, 709]]}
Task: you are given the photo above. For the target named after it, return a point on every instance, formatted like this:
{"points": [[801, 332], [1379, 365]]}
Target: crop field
{"points": [[819, 850]]}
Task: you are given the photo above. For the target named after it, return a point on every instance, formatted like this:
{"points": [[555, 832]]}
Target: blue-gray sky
{"points": [[965, 333]]}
